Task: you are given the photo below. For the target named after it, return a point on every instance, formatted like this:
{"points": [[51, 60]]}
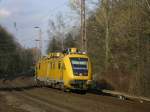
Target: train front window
{"points": [[79, 66]]}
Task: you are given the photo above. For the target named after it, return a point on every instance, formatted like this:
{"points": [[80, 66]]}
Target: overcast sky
{"points": [[20, 16]]}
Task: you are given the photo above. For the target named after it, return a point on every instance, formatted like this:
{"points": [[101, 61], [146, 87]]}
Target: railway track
{"points": [[40, 99], [53, 100], [35, 99], [51, 103], [48, 105]]}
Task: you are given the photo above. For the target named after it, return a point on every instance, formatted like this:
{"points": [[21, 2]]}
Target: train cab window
{"points": [[79, 66]]}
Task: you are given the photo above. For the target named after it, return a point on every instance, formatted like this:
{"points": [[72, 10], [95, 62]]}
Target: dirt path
{"points": [[20, 95], [6, 106], [52, 100]]}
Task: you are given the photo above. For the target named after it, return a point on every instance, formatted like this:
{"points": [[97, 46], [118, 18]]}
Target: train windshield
{"points": [[79, 66]]}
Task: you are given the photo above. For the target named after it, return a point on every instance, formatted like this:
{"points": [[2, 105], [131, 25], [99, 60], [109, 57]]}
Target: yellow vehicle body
{"points": [[65, 70]]}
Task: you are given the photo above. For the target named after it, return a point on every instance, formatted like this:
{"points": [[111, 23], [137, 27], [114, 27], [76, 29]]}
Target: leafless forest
{"points": [[118, 35]]}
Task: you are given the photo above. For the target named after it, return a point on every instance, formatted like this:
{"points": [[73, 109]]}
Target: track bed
{"points": [[35, 99]]}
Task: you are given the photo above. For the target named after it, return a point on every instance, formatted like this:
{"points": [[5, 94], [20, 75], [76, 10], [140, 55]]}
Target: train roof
{"points": [[67, 51]]}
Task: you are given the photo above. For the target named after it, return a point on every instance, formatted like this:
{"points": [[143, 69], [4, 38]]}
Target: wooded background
{"points": [[14, 59], [118, 35]]}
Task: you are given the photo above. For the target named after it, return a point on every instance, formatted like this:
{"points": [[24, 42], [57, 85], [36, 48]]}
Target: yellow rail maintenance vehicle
{"points": [[69, 70]]}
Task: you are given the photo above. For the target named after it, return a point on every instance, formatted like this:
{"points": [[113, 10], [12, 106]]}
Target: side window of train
{"points": [[63, 66], [54, 65], [39, 65], [59, 65], [50, 65]]}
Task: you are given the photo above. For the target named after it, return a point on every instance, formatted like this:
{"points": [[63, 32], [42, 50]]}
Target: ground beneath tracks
{"points": [[35, 99]]}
